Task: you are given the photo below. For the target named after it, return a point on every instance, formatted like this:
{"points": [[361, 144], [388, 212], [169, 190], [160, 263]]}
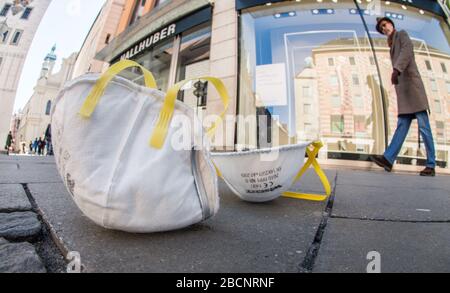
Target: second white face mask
{"points": [[261, 175]]}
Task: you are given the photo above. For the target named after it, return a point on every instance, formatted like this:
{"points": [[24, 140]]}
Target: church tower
{"points": [[49, 63]]}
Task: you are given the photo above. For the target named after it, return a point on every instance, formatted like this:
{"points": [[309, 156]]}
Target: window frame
{"points": [[6, 39], [434, 85], [25, 16], [341, 122], [136, 9], [6, 9], [355, 79], [440, 134], [48, 107], [437, 106], [444, 68], [335, 98], [15, 42], [307, 108], [357, 120], [428, 65], [158, 3], [331, 62]]}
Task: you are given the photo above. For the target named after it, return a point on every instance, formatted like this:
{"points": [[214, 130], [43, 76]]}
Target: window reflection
{"points": [[332, 92], [337, 86]]}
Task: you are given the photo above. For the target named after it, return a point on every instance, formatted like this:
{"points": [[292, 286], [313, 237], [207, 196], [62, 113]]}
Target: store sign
{"points": [[177, 27], [271, 88], [150, 41]]}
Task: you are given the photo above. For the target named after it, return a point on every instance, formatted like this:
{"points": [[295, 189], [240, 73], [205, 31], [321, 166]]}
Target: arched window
{"points": [[48, 108]]}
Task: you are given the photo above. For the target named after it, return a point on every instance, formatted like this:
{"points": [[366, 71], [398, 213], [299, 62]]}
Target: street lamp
{"points": [[201, 92]]}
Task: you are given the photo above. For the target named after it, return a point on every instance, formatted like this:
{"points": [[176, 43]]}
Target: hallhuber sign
{"points": [[150, 41], [177, 27]]}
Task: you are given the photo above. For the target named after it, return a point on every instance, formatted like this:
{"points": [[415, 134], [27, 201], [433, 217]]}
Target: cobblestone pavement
{"points": [[25, 242]]}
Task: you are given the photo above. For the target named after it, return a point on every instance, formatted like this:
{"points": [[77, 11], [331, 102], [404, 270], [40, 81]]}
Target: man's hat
{"points": [[380, 20]]}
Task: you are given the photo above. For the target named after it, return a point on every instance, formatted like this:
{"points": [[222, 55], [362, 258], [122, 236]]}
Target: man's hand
{"points": [[395, 76]]}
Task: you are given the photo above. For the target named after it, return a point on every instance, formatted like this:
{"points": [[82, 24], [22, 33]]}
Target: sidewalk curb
{"points": [[59, 242]]}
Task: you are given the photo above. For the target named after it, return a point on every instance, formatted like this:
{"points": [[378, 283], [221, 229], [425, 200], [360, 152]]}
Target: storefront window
{"points": [[138, 11], [323, 51], [321, 56], [430, 35]]}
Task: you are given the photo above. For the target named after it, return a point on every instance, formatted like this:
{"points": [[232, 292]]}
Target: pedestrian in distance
{"points": [[42, 146], [31, 147], [48, 139], [39, 146], [35, 146], [412, 99], [9, 140]]}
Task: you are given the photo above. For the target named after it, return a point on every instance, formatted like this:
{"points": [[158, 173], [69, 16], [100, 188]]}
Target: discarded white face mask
{"points": [[266, 174], [104, 157]]}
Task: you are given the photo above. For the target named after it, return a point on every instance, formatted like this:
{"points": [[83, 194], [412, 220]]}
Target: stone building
{"points": [[18, 25], [35, 116]]}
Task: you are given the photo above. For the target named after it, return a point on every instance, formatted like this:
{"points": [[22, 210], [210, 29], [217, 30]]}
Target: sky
{"points": [[66, 24]]}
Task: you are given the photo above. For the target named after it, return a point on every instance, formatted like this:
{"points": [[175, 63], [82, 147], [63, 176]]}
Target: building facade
{"points": [[34, 118], [18, 25], [102, 32], [296, 70]]}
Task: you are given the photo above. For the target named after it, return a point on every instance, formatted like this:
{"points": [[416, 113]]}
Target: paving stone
{"points": [[13, 198], [18, 170], [19, 258], [398, 197], [19, 225], [403, 247]]}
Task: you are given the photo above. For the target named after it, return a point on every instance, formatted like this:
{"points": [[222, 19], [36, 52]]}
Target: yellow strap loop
{"points": [[312, 153], [165, 116], [98, 90]]}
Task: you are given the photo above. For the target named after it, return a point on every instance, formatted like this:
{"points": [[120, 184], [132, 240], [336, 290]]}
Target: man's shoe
{"points": [[382, 162], [428, 172]]}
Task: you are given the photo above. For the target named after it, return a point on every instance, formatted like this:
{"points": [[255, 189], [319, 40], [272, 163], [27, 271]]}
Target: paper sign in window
{"points": [[271, 88]]}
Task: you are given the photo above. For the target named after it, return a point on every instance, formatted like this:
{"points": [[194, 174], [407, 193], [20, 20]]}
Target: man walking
{"points": [[411, 98]]}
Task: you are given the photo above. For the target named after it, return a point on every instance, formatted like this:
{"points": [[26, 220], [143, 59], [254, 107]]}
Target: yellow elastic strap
{"points": [[323, 177], [219, 174], [165, 116], [98, 90]]}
